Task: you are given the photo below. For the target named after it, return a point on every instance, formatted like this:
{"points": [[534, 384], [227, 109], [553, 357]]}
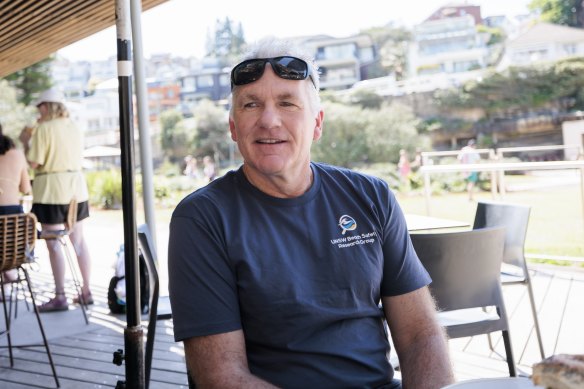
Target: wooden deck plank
{"points": [[571, 334]]}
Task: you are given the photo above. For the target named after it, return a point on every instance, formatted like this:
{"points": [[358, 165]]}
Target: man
{"points": [[276, 270]]}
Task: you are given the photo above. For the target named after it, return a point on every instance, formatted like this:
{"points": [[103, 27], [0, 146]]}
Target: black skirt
{"points": [[57, 213]]}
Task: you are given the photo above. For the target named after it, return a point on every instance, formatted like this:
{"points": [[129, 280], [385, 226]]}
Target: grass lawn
{"points": [[556, 225]]}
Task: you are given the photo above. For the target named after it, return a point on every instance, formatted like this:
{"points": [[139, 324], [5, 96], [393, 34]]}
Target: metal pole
{"points": [[143, 122], [133, 333]]}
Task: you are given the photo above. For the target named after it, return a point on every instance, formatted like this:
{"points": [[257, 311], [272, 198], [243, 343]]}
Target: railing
{"points": [[427, 155], [497, 169], [502, 150]]}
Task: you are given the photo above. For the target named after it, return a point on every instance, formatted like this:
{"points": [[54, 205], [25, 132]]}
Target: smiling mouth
{"points": [[269, 141]]}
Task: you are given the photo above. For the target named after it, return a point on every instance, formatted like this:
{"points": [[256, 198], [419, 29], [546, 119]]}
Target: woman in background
{"points": [[14, 182], [55, 152]]}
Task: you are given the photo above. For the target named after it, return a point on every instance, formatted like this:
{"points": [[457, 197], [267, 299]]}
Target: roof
{"points": [[34, 29], [546, 33]]}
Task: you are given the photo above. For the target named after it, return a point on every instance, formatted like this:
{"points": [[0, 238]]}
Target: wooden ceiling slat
{"points": [[31, 30], [36, 27], [12, 8]]}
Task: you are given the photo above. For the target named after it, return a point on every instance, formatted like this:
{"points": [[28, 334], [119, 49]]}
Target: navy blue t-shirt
{"points": [[301, 277]]}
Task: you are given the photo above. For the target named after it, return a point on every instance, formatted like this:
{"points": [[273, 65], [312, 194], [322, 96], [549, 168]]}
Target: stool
{"points": [[19, 235], [62, 236]]}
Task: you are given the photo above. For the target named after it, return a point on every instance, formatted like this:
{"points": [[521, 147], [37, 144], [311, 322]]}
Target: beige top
{"points": [[57, 146], [14, 178]]}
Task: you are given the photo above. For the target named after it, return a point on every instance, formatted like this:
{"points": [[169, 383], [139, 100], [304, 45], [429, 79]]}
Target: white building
{"points": [[449, 45], [544, 42]]}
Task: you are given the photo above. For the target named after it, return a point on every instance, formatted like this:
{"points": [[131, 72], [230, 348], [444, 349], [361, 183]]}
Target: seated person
{"points": [[277, 269], [14, 181]]}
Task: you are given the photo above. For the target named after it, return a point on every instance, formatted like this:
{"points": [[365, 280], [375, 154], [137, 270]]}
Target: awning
{"points": [[31, 30]]}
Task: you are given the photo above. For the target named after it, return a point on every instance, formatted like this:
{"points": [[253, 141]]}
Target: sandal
{"points": [[86, 299], [55, 304]]}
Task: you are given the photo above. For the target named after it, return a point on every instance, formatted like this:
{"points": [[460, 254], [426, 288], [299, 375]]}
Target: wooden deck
{"points": [[83, 353]]}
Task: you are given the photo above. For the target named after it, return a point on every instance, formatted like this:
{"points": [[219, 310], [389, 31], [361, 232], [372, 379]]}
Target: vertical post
{"points": [[427, 190], [502, 185], [143, 121], [133, 333], [582, 192], [494, 174]]}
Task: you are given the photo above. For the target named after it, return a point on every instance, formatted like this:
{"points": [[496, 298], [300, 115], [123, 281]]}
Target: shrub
{"points": [[105, 188]]}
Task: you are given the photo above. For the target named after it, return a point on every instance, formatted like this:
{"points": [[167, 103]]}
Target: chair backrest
{"points": [[18, 237], [464, 266], [515, 219], [148, 255]]}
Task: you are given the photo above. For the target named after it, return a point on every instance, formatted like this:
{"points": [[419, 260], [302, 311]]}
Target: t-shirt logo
{"points": [[347, 223]]}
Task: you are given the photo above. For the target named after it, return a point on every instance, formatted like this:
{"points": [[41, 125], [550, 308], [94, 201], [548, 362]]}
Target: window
{"points": [[205, 81], [189, 84], [336, 52], [225, 80], [570, 48]]}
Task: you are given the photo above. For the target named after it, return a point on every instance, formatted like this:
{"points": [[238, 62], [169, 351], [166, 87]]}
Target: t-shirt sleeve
{"points": [[403, 271], [202, 286], [37, 151]]}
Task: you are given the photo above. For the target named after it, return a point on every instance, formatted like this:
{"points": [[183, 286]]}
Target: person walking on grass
{"points": [[469, 155]]}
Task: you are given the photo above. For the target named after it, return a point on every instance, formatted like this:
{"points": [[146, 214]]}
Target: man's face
{"points": [[274, 125]]}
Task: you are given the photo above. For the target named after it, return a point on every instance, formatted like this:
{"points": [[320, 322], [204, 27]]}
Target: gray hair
{"points": [[269, 47]]}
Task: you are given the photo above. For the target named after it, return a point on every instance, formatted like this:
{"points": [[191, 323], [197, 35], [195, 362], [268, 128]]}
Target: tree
{"points": [[521, 89], [352, 135], [567, 12], [32, 80], [366, 99], [391, 128], [392, 43], [229, 41], [212, 131], [175, 139], [13, 115], [343, 142]]}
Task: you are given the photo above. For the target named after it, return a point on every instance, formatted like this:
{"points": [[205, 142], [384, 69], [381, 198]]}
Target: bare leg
{"points": [[83, 257], [57, 259]]}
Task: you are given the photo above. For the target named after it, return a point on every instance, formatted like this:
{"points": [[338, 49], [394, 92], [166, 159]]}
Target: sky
{"points": [[181, 27]]}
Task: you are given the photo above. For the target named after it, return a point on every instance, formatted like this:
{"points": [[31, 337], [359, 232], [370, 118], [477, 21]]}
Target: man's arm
{"points": [[419, 341], [220, 361]]}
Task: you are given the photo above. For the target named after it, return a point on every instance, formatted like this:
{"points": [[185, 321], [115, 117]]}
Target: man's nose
{"points": [[270, 117]]}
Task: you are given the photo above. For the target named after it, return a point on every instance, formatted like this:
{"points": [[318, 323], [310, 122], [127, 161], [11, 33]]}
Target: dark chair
{"points": [[149, 258], [18, 235], [62, 236], [148, 255], [515, 219], [465, 270]]}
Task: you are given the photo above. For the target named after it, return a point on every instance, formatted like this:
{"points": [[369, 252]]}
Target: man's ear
{"points": [[318, 125], [232, 130]]}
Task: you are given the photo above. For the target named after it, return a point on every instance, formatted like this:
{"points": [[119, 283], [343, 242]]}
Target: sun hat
{"points": [[51, 95]]}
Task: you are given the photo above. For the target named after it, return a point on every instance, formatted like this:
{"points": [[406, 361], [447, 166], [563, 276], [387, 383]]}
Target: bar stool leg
{"points": [[67, 247], [46, 343], [7, 320]]}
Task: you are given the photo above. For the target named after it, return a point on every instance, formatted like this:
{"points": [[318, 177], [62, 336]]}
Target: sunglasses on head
{"points": [[286, 67]]}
